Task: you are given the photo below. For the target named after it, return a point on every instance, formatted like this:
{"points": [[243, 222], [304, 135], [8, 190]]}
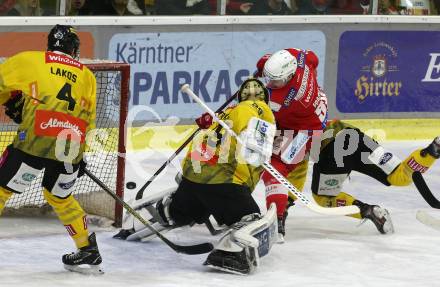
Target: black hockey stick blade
{"points": [[424, 190], [185, 249], [196, 249], [140, 192]]}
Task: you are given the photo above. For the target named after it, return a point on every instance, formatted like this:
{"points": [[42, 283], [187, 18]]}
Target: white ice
{"points": [[319, 250]]}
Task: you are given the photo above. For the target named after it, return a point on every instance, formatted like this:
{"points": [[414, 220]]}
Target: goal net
{"points": [[105, 158]]}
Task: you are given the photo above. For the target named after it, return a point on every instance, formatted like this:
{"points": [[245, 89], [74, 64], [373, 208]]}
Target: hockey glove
{"points": [[260, 65], [205, 121], [14, 107]]}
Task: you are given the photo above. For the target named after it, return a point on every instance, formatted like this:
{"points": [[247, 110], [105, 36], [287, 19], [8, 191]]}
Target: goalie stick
{"points": [[185, 249], [424, 190], [343, 210], [140, 192], [428, 220]]}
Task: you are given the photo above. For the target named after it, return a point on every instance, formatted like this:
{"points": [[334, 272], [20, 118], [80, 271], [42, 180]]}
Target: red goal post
{"points": [[107, 162]]}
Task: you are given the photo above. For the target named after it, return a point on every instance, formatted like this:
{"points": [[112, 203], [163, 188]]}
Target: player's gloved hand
{"points": [[205, 121], [82, 167], [260, 65], [14, 107]]}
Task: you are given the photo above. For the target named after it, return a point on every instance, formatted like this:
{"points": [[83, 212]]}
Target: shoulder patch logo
{"points": [[385, 158]]}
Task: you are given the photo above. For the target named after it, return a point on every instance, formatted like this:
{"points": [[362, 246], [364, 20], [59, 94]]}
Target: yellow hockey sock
{"points": [[71, 215], [4, 196], [402, 175]]}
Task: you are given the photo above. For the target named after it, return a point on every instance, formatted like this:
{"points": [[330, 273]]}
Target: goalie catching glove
{"points": [[14, 107]]}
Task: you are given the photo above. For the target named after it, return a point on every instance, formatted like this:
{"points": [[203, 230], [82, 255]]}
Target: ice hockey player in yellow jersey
{"points": [[52, 96], [344, 149]]}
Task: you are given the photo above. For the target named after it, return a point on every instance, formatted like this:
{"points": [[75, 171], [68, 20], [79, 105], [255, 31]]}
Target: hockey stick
{"points": [[428, 220], [424, 190], [186, 249], [343, 210], [140, 193]]}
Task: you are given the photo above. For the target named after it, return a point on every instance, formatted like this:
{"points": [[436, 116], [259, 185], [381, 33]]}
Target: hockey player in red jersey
{"points": [[300, 109]]}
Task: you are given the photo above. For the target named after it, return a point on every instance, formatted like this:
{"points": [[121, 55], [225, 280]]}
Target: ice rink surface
{"points": [[319, 250]]}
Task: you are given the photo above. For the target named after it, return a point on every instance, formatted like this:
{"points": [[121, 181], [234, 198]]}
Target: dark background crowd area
{"points": [[210, 7]]}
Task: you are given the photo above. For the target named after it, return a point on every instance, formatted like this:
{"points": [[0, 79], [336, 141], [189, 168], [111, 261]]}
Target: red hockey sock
{"points": [[280, 201]]}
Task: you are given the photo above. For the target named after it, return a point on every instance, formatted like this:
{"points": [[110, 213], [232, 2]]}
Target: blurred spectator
{"points": [[345, 7], [237, 7], [27, 8], [77, 7], [182, 7], [136, 7], [6, 6], [257, 7], [387, 7], [269, 7], [108, 7], [233, 7], [313, 7], [416, 7]]}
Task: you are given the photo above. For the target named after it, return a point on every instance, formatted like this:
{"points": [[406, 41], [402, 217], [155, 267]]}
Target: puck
{"points": [[130, 185]]}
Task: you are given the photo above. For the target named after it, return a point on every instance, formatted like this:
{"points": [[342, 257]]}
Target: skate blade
{"points": [[227, 270], [85, 269]]}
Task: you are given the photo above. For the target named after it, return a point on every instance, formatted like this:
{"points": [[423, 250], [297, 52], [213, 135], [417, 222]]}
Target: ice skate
{"points": [[86, 260], [378, 215], [231, 262], [433, 149], [282, 228]]}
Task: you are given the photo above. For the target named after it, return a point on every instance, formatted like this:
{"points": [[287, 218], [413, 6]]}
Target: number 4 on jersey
{"points": [[65, 94]]}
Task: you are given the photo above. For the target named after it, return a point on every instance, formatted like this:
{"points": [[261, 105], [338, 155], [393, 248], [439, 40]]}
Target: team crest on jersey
{"points": [[62, 59]]}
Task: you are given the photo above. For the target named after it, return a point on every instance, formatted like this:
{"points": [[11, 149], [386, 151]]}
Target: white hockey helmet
{"points": [[279, 69]]}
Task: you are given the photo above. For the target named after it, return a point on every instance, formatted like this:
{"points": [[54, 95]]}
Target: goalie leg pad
{"points": [[240, 250], [142, 206], [133, 229]]}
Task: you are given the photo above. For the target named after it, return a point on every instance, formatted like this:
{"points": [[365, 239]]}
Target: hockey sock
{"points": [[4, 196], [278, 194], [72, 216], [402, 175], [280, 201], [342, 199]]}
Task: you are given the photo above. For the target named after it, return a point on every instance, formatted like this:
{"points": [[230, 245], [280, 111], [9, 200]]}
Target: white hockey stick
{"points": [[343, 210], [427, 219]]}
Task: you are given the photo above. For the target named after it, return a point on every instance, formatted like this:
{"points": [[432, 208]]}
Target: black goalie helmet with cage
{"points": [[63, 38], [253, 89]]}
